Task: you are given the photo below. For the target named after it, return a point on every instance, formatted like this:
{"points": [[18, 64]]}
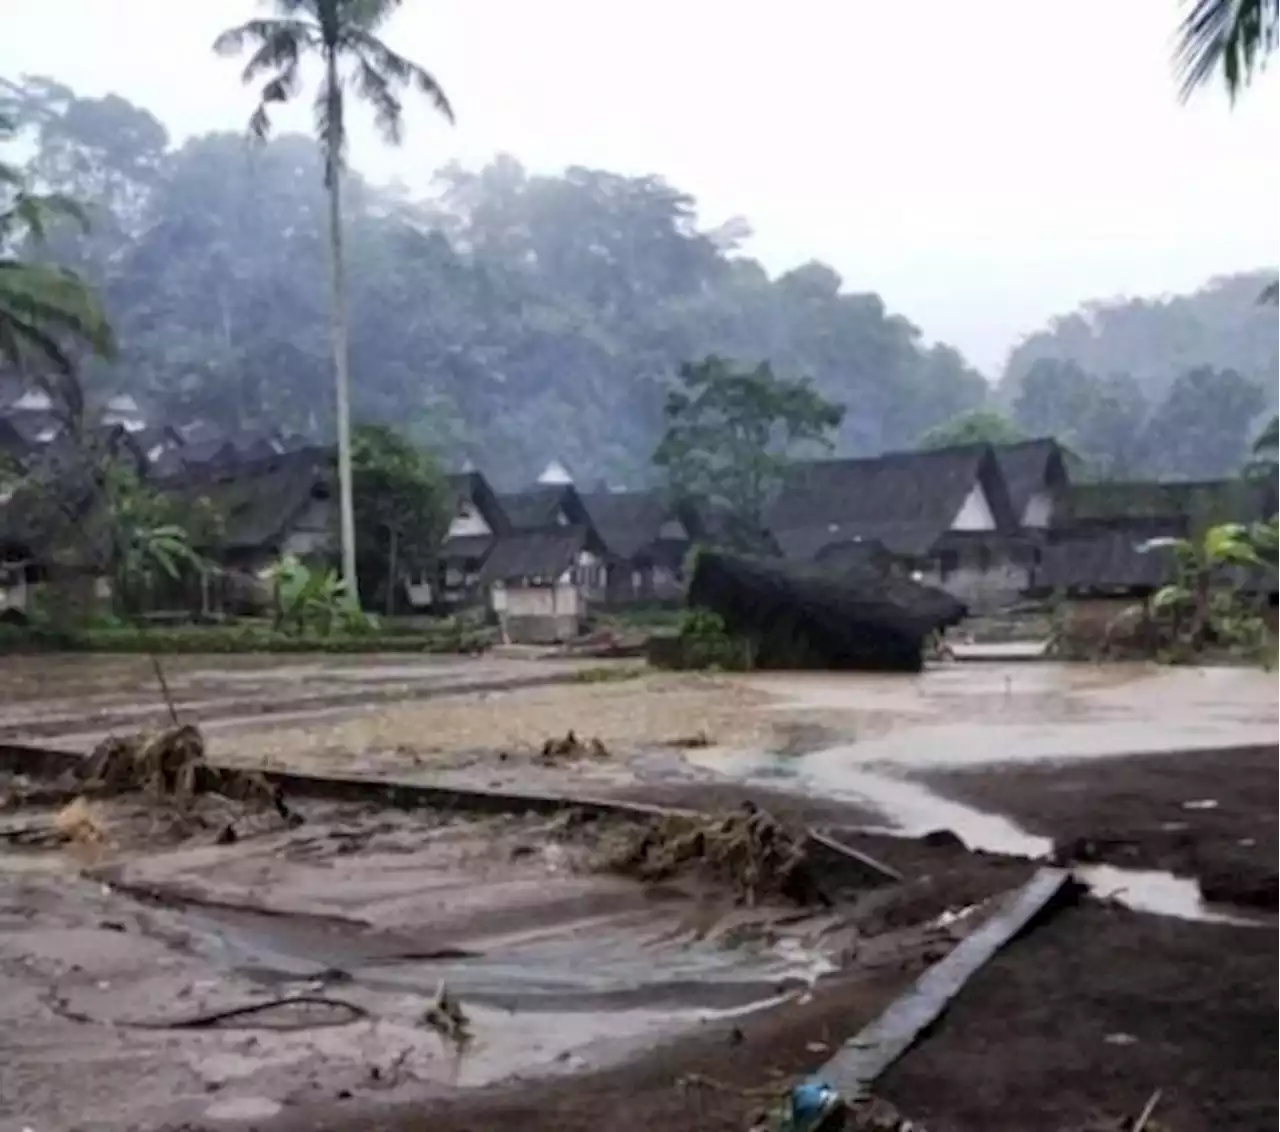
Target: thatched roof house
{"points": [[1035, 475], [278, 504], [906, 501], [808, 618]]}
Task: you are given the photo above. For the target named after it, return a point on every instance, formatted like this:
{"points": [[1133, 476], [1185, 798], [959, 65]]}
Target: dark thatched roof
{"points": [[810, 618], [629, 523], [905, 500], [1105, 560], [536, 555], [1186, 507], [1029, 467], [537, 507], [258, 500]]}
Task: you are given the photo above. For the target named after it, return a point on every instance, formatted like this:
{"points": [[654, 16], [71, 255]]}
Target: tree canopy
{"points": [[731, 432], [510, 317], [978, 426]]}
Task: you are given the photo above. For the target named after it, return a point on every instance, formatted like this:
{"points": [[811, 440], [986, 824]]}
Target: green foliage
{"points": [[230, 639], [978, 426], [1203, 605], [703, 642], [730, 434], [146, 541], [401, 508], [46, 312], [314, 600], [505, 309]]}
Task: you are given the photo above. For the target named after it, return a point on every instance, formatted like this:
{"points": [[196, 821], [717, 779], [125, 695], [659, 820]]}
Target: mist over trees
{"points": [[510, 318], [1171, 387]]}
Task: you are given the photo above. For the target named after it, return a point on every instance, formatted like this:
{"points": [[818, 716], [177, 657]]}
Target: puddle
{"points": [[623, 962], [1161, 894], [911, 808], [914, 810]]}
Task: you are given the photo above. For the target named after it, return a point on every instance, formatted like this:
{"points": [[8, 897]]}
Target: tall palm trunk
{"points": [[341, 366]]}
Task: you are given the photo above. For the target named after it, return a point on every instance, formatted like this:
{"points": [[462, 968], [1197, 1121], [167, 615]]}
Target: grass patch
{"points": [[608, 674]]}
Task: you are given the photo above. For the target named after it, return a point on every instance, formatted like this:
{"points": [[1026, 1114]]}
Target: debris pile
{"points": [[170, 764], [747, 849], [571, 747]]}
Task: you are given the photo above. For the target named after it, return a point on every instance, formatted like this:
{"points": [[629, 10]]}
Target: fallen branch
{"points": [[210, 1019]]}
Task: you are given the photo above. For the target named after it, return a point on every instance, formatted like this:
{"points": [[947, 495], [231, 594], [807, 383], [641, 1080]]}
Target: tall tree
{"points": [[730, 434], [343, 35]]}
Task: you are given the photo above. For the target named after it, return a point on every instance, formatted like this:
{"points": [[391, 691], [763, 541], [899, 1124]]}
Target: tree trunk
{"points": [[338, 337], [391, 574]]}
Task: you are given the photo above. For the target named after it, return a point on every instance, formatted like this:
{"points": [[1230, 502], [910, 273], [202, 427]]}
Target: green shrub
{"points": [[231, 639], [703, 642]]}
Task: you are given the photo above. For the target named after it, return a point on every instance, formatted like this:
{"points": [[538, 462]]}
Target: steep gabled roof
{"points": [[628, 522], [474, 488], [1028, 467], [905, 500], [1183, 506], [536, 507], [258, 500], [542, 554], [1105, 559]]}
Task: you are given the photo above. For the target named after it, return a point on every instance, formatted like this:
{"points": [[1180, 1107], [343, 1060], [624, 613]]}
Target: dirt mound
{"points": [[747, 850]]}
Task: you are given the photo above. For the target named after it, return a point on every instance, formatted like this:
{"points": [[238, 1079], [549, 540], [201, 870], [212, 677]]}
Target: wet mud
{"points": [[112, 951], [1208, 816]]}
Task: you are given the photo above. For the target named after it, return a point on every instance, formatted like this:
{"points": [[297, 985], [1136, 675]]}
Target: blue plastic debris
{"points": [[811, 1105]]}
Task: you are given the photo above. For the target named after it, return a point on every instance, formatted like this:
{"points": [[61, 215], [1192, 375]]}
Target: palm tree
{"points": [[44, 309], [1233, 37], [341, 34]]}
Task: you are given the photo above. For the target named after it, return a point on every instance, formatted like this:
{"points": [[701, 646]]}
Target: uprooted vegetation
{"points": [[748, 850], [166, 769]]}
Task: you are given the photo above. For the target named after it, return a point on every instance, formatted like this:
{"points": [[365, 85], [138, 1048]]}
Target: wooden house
{"points": [[538, 581], [477, 520], [645, 542]]}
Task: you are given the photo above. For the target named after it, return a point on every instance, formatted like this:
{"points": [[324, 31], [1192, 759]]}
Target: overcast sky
{"points": [[983, 165]]}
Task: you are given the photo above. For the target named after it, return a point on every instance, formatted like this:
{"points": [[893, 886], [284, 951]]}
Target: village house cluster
{"points": [[990, 525]]}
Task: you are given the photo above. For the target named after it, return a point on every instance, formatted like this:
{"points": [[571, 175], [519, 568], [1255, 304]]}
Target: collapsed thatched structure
{"points": [[801, 618]]}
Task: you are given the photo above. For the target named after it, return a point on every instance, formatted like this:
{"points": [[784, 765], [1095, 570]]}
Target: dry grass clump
{"points": [[746, 849]]}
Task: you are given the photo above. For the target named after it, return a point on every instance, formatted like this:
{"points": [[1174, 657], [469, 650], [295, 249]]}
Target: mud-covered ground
{"points": [[1211, 815], [126, 927]]}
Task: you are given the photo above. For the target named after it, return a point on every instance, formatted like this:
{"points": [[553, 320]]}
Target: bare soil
{"points": [[1211, 815], [1091, 1013]]}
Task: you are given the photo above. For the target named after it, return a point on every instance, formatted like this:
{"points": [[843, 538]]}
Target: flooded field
{"points": [[1156, 784], [285, 967]]}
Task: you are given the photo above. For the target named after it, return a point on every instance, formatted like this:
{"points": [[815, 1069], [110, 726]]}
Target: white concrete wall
{"points": [[975, 512], [1038, 512], [468, 521]]}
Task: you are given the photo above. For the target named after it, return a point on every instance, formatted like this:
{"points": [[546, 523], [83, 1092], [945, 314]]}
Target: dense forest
{"points": [[509, 319], [513, 317], [1169, 387]]}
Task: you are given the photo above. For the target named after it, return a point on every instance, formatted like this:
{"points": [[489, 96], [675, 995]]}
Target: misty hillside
{"points": [[1172, 386], [515, 317]]}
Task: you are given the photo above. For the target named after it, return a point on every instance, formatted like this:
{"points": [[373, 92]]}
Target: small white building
{"points": [[539, 581]]}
